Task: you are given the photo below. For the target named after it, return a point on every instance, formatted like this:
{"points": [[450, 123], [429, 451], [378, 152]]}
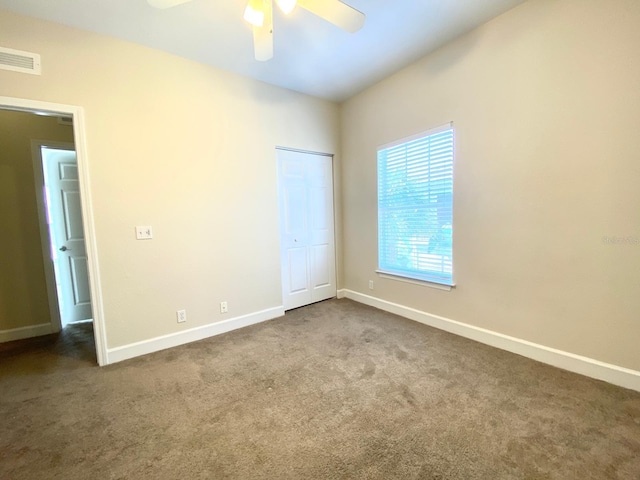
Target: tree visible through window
{"points": [[415, 207]]}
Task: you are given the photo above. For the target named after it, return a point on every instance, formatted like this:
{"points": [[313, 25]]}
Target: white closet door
{"points": [[307, 242]]}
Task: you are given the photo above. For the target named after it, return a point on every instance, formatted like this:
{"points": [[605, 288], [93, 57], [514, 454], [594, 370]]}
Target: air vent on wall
{"points": [[19, 61]]}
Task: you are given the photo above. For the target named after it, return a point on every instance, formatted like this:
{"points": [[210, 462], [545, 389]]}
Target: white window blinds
{"points": [[415, 207]]}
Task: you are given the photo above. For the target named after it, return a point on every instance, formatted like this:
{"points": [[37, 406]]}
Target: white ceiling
{"points": [[310, 55]]}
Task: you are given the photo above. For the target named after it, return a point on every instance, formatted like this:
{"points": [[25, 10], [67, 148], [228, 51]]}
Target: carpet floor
{"points": [[335, 390]]}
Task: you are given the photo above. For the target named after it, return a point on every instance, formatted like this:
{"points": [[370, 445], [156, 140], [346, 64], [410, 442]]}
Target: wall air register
{"points": [[19, 61]]}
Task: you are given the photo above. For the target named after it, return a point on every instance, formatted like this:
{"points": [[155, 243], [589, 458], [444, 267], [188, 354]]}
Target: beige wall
{"points": [[23, 289], [546, 105], [184, 148]]}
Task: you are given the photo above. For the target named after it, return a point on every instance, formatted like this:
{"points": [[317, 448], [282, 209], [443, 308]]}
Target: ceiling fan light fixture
{"points": [[286, 6], [254, 13]]}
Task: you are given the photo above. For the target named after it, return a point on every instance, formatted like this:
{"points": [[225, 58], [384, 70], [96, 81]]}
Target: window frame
{"points": [[441, 280]]}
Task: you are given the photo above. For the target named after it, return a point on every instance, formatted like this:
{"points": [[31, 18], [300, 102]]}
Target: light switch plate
{"points": [[144, 233]]}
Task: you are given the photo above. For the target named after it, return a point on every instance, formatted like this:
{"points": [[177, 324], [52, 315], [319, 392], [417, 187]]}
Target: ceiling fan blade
{"points": [[166, 3], [336, 12], [263, 36]]}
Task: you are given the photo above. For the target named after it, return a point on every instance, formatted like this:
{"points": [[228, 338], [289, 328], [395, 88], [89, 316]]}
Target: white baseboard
{"points": [[25, 332], [589, 367], [132, 350]]}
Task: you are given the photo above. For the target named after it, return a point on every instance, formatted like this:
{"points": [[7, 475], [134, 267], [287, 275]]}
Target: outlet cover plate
{"points": [[144, 233]]}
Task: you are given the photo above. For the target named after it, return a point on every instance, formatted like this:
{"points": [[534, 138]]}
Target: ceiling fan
{"points": [[259, 13]]}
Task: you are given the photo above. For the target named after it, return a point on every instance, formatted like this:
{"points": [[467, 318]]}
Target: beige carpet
{"points": [[335, 390]]}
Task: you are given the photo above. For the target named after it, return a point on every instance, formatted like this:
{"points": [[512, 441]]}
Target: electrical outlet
{"points": [[181, 315], [370, 284], [224, 308]]}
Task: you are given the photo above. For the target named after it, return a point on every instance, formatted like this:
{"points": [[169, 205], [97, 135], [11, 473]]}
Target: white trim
{"points": [[589, 367], [163, 342], [77, 114], [25, 332], [342, 293]]}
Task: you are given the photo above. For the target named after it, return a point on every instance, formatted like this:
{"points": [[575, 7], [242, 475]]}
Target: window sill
{"points": [[415, 281]]}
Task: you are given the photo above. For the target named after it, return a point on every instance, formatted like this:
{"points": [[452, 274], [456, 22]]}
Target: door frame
{"points": [[79, 136]]}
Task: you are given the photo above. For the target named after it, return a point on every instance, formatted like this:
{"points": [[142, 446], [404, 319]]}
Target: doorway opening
{"points": [[51, 184]]}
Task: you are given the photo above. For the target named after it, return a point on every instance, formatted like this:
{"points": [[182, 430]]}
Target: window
{"points": [[415, 207]]}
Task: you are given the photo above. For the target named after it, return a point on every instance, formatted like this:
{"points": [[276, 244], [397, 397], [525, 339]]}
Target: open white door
{"points": [[66, 230], [307, 242]]}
